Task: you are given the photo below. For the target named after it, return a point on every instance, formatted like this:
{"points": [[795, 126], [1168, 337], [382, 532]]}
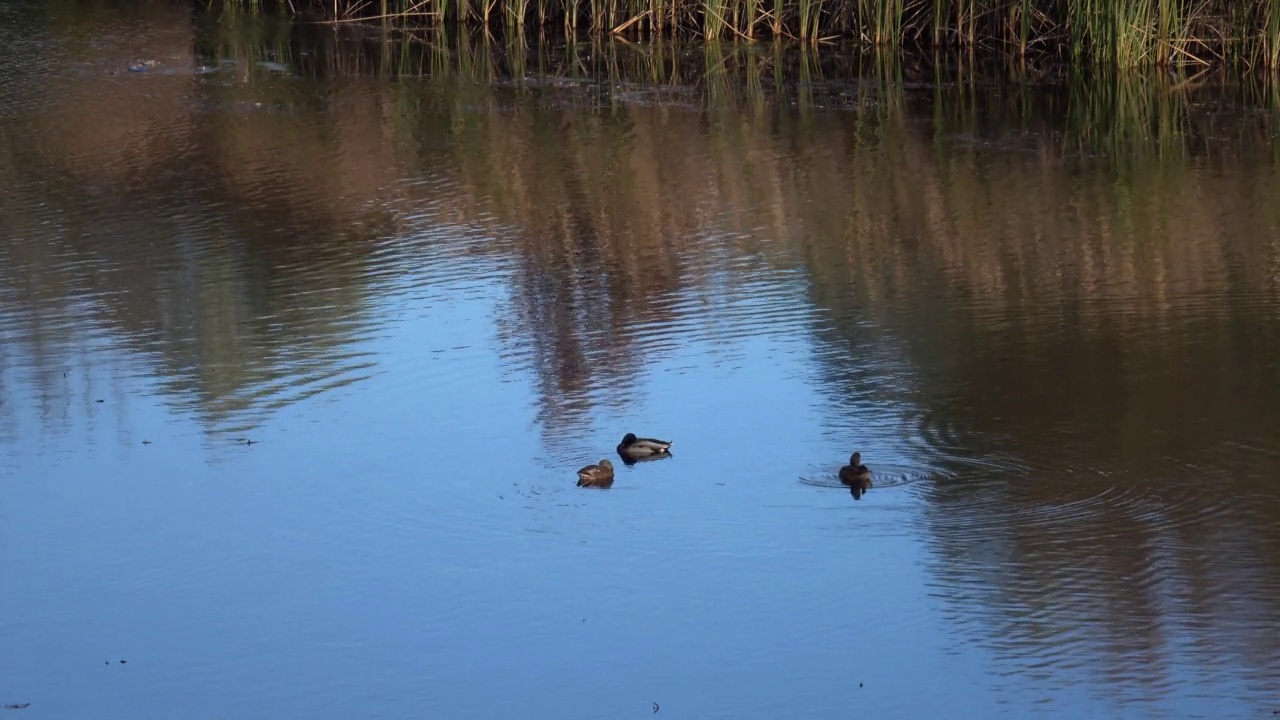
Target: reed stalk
{"points": [[713, 22], [807, 18], [1269, 47]]}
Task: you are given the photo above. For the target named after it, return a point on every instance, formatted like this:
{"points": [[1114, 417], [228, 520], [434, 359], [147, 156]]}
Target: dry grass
{"points": [[1123, 33]]}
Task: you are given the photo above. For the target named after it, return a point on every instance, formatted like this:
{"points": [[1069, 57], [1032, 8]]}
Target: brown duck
{"points": [[599, 475], [856, 475]]}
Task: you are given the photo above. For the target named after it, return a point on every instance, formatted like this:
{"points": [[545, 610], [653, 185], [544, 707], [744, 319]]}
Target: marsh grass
{"points": [[1119, 33]]}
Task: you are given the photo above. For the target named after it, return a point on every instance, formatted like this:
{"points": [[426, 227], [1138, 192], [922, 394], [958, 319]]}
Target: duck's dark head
{"points": [[628, 438], [855, 459]]}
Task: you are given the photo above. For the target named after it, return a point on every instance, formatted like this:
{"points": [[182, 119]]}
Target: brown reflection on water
{"points": [[1101, 339], [589, 261], [1088, 339], [197, 220]]}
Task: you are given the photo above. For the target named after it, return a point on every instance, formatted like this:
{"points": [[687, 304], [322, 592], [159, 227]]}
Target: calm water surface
{"points": [[1048, 314]]}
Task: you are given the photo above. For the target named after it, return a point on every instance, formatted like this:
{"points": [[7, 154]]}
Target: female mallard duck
{"points": [[633, 448], [599, 475], [855, 474]]}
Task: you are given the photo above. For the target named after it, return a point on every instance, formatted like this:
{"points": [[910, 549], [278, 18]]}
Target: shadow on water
{"points": [[1064, 289]]}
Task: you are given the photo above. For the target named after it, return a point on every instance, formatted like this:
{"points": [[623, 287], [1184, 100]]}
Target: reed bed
{"points": [[1121, 33]]}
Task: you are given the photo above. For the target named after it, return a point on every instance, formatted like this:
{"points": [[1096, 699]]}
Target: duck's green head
{"points": [[628, 438]]}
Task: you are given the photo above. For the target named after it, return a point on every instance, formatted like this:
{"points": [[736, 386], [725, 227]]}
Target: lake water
{"points": [[429, 280]]}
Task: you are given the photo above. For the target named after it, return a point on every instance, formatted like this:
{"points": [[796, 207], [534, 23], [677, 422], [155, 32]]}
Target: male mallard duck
{"points": [[599, 475], [633, 447], [855, 474]]}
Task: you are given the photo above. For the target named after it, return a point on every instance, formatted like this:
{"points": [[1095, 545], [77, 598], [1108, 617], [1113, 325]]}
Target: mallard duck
{"points": [[855, 474], [599, 475], [633, 447]]}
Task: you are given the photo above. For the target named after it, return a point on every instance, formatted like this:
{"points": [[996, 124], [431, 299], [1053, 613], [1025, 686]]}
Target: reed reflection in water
{"points": [[433, 278]]}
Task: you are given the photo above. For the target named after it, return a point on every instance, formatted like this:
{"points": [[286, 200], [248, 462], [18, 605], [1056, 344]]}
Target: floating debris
{"points": [[21, 706], [656, 708]]}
